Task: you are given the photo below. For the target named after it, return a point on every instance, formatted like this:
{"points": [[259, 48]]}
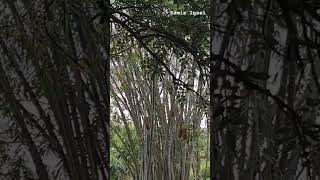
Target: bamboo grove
{"points": [[159, 89]]}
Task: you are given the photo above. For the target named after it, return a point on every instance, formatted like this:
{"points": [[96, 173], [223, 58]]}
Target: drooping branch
{"points": [[157, 58]]}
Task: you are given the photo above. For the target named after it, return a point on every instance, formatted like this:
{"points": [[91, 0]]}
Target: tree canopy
{"points": [[161, 89]]}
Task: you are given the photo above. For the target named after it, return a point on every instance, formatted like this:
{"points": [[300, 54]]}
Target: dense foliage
{"points": [[234, 83]]}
